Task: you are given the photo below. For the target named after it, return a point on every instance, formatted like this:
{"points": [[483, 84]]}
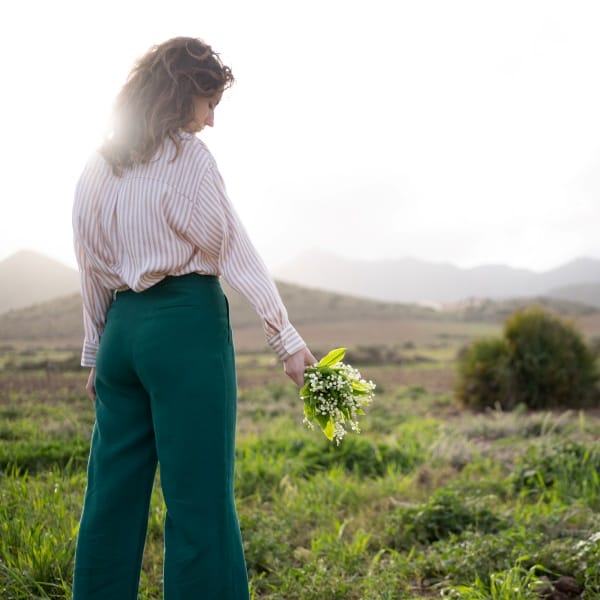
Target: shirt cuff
{"points": [[88, 355], [287, 342]]}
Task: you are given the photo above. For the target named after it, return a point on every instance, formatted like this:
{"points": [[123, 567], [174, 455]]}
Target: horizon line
{"points": [[308, 251]]}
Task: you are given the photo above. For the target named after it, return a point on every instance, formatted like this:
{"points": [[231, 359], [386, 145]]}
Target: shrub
{"points": [[261, 465], [550, 364], [362, 457], [445, 514], [484, 380], [595, 345], [541, 362]]}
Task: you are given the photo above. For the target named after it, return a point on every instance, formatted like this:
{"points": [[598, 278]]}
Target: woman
{"points": [[153, 230]]}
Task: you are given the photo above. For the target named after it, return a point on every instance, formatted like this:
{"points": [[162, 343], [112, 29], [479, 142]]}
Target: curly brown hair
{"points": [[157, 99]]}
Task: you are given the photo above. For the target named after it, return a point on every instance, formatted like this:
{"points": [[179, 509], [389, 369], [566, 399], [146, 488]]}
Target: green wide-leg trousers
{"points": [[166, 394]]}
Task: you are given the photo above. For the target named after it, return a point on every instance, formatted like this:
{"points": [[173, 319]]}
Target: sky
{"points": [[452, 131]]}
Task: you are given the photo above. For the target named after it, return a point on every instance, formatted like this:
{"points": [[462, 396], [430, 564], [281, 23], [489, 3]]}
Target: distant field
{"points": [[367, 332], [351, 333]]}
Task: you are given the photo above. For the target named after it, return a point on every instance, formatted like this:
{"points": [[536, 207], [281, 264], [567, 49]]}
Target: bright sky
{"points": [[460, 131]]}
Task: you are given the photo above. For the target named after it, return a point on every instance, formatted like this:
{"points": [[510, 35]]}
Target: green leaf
{"points": [[322, 420], [359, 386], [328, 430], [309, 411], [304, 390], [360, 411], [324, 371], [332, 358], [326, 424], [360, 393]]}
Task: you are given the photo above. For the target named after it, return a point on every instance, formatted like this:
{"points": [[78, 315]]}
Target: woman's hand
{"points": [[89, 386], [294, 366]]}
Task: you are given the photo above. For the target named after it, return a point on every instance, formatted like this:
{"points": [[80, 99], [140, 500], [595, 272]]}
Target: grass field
{"points": [[428, 502]]}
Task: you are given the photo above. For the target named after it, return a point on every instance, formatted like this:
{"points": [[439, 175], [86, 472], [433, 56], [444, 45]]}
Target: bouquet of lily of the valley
{"points": [[334, 395]]}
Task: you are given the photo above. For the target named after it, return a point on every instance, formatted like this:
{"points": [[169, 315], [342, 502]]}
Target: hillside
{"points": [[322, 316], [60, 319], [585, 293], [28, 277]]}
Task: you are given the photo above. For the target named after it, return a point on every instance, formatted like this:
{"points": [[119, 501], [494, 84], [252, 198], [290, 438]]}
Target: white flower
{"points": [[334, 395]]}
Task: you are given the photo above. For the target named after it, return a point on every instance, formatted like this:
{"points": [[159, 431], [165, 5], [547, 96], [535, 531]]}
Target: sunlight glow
{"points": [[445, 131]]}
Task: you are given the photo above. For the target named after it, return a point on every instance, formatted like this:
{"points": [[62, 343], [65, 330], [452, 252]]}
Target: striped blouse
{"points": [[166, 218]]}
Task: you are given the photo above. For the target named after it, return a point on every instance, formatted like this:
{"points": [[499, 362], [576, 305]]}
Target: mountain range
{"points": [[28, 278], [414, 280]]}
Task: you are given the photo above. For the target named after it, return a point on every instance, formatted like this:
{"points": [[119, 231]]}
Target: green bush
{"points": [[267, 460], [445, 514], [484, 380], [540, 361], [549, 362], [363, 457]]}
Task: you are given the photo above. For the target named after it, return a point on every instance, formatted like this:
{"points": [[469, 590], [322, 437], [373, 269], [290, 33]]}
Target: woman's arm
{"points": [[216, 229]]}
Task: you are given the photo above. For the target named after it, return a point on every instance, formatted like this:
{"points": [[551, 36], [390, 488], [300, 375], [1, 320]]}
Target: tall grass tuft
{"points": [[566, 471], [516, 583], [37, 535]]}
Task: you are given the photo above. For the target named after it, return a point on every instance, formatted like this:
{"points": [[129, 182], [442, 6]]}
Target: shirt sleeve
{"points": [[96, 301], [217, 230]]}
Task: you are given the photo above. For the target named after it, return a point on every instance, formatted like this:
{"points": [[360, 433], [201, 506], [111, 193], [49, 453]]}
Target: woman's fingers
{"points": [[90, 387], [294, 366], [309, 359]]}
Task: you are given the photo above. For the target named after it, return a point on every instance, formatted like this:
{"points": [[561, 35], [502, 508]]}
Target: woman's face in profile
{"points": [[204, 113]]}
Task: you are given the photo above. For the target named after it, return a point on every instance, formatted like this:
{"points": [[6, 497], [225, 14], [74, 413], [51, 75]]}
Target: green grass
{"points": [[428, 501]]}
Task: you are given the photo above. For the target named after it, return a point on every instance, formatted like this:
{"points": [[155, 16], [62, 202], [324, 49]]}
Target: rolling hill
{"points": [[587, 293], [61, 318], [28, 277], [321, 314]]}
